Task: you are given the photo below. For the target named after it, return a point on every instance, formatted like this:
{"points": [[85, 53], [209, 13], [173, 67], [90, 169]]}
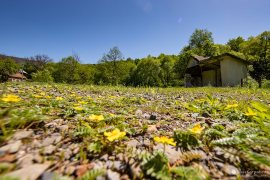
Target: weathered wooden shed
{"points": [[223, 70]]}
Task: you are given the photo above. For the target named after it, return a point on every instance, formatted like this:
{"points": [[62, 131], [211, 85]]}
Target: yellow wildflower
{"points": [[97, 118], [42, 93], [229, 106], [82, 102], [112, 115], [114, 135], [59, 98], [11, 98], [165, 140], [48, 97], [250, 112], [37, 96], [197, 129], [78, 108]]}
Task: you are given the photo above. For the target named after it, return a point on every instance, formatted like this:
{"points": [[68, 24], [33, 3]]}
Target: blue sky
{"points": [[89, 28]]}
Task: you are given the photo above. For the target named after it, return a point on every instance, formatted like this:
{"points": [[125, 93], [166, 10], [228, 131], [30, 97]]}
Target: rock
{"points": [[48, 176], [22, 134], [54, 139], [104, 157], [48, 141], [146, 116], [11, 148], [230, 170], [76, 150], [124, 177], [82, 169], [117, 165], [153, 116], [49, 150], [98, 165], [152, 128], [14, 147], [36, 144], [171, 152], [68, 154], [138, 113], [219, 165], [147, 143], [51, 125], [132, 143], [111, 175], [38, 158], [31, 172], [194, 115], [109, 164], [8, 158], [59, 121], [70, 170], [63, 128], [26, 160], [57, 139], [112, 158]]}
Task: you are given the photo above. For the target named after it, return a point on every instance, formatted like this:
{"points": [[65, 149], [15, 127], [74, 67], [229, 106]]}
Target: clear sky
{"points": [[89, 28]]}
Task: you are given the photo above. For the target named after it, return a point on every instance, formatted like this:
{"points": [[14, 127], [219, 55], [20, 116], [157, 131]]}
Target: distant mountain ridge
{"points": [[16, 59]]}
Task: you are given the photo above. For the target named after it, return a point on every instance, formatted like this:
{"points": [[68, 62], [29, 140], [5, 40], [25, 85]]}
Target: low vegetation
{"points": [[134, 133]]}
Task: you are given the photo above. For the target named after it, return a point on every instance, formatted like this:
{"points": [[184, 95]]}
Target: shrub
{"points": [[42, 76]]}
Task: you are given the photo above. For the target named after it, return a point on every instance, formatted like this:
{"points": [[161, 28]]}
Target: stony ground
{"points": [[54, 131]]}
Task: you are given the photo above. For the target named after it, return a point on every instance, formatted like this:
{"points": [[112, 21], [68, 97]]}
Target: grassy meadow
{"points": [[88, 132]]}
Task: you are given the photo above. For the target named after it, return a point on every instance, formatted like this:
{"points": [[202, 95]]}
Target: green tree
{"points": [[147, 73], [86, 74], [181, 64], [235, 43], [7, 67], [167, 69], [110, 59], [257, 49], [67, 71], [201, 43], [36, 63]]}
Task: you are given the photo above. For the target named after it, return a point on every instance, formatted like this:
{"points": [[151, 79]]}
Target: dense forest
{"points": [[161, 71]]}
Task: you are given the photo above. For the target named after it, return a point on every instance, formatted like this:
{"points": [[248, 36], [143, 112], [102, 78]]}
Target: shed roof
{"points": [[17, 76], [199, 58], [213, 58]]}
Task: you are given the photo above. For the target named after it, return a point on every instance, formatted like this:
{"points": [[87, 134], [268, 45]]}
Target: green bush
{"points": [[42, 76]]}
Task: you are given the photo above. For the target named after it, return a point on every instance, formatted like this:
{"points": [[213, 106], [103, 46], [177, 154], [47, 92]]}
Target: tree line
{"points": [[161, 71]]}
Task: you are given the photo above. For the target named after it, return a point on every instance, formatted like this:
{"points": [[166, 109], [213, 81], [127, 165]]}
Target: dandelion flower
{"points": [[82, 102], [59, 98], [165, 140], [11, 98], [96, 118], [78, 108], [197, 129]]}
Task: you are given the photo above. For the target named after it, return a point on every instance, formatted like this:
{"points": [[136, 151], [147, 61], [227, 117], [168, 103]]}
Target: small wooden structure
{"points": [[223, 70], [19, 76]]}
